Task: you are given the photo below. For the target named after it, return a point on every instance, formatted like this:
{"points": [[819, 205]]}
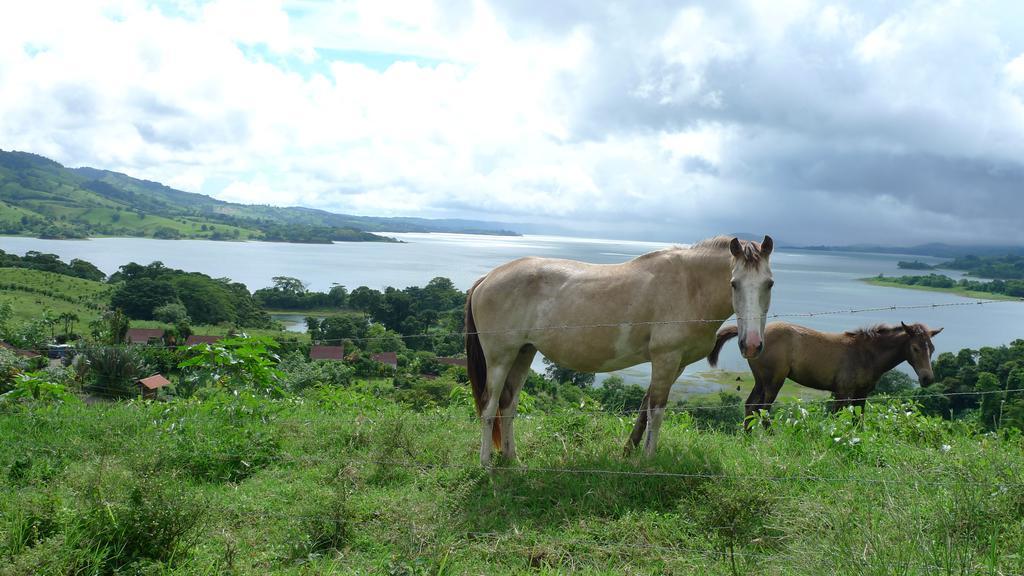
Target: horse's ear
{"points": [[766, 246], [736, 248], [906, 328], [934, 332]]}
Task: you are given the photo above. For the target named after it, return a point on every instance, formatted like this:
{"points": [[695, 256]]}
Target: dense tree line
{"points": [[142, 290], [1006, 287], [51, 263], [983, 384], [914, 265], [309, 234], [1009, 267]]}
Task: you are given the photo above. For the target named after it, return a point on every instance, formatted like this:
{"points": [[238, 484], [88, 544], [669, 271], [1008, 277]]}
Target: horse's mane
{"points": [[886, 330], [751, 250]]}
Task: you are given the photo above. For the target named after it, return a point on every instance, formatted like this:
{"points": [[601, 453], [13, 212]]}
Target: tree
{"points": [[289, 285], [893, 383], [337, 328], [172, 313], [563, 375], [365, 299], [69, 319], [140, 296], [338, 296]]}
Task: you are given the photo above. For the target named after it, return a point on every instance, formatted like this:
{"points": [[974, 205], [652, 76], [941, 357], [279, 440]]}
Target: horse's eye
{"points": [[734, 284], [771, 283]]}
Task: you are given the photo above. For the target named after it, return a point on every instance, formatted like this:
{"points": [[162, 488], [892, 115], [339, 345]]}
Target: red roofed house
{"points": [[197, 339], [389, 358], [149, 386], [452, 361], [327, 353], [144, 335], [18, 351]]}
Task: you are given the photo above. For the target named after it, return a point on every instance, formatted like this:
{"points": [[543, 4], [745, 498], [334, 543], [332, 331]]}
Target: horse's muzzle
{"points": [[751, 345]]}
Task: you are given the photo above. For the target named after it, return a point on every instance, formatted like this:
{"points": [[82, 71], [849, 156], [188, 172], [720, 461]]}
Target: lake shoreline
{"points": [[973, 294]]}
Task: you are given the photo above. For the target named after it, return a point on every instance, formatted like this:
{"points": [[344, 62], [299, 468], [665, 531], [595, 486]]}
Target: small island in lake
{"points": [[914, 265], [994, 290]]}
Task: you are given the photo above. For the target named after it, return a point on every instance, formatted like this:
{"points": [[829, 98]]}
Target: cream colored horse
{"points": [[663, 307]]}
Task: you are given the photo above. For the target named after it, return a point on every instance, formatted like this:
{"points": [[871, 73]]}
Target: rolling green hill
{"points": [[29, 292], [40, 197]]}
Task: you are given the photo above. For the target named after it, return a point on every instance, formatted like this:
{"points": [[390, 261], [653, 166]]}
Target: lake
{"points": [[805, 281]]}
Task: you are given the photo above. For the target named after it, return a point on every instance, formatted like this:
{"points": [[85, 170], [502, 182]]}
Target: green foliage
{"points": [[337, 328], [37, 389], [30, 292], [894, 383], [248, 363], [301, 374], [1012, 288], [34, 260], [563, 375], [1009, 267], [124, 520], [46, 199], [340, 480], [913, 265], [172, 313], [615, 396], [142, 290], [725, 415], [113, 371]]}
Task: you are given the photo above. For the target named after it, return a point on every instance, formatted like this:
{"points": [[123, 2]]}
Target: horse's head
{"points": [[919, 351], [751, 291]]}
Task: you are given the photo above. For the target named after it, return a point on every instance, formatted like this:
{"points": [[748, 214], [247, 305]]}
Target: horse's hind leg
{"points": [[639, 426], [771, 392], [497, 371], [509, 401], [753, 404]]}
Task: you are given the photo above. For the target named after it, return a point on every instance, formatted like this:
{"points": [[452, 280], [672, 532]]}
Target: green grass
{"points": [[32, 291], [710, 383], [347, 484], [956, 291]]}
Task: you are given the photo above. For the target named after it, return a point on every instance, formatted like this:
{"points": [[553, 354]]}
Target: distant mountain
{"points": [[40, 197], [935, 249]]}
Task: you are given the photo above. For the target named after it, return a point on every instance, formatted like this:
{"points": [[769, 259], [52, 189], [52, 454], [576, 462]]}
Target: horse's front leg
{"points": [[665, 369]]}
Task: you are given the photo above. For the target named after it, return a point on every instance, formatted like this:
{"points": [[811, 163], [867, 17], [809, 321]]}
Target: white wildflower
{"points": [[946, 447]]}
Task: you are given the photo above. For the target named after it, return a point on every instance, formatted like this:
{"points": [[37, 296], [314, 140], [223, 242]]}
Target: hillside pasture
{"points": [[32, 291], [341, 482]]}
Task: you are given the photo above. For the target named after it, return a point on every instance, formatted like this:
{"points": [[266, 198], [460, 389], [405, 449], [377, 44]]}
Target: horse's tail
{"points": [[723, 336], [476, 365]]}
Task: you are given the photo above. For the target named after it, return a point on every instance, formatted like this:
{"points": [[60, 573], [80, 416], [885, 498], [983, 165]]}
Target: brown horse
{"points": [[848, 364], [663, 307]]}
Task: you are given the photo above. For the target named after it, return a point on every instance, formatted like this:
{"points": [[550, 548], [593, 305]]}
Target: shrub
{"points": [[114, 370]]}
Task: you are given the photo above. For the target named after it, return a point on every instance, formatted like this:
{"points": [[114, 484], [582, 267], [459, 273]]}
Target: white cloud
{"points": [[660, 122]]}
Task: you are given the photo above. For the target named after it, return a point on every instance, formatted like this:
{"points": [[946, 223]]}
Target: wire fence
{"points": [[615, 324]]}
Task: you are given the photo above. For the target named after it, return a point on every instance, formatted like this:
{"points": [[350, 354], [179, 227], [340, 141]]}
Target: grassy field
{"points": [[708, 384], [32, 291], [957, 291], [340, 482]]}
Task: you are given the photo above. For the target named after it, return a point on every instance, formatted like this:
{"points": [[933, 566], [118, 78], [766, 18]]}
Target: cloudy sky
{"points": [[817, 122]]}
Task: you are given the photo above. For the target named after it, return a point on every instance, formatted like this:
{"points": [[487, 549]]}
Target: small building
{"points": [[145, 335], [19, 351], [452, 361], [195, 339], [148, 386], [333, 353], [389, 358]]}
